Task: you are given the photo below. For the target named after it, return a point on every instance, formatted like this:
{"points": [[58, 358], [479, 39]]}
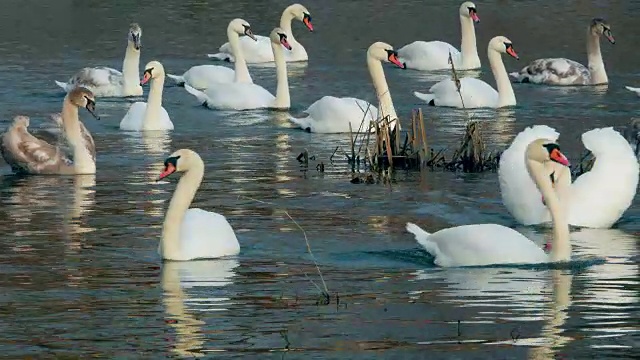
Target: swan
{"points": [[107, 82], [260, 51], [243, 96], [434, 55], [200, 76], [189, 234], [149, 115], [561, 71], [333, 115], [489, 244], [28, 154], [596, 199], [477, 93]]}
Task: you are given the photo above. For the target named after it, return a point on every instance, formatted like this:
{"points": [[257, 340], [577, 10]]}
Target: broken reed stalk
{"points": [[324, 292]]}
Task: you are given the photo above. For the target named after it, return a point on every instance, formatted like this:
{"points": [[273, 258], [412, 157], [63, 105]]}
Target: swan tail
{"points": [[179, 80], [422, 237], [635, 90], [426, 97], [63, 85], [303, 123], [201, 96], [220, 56]]}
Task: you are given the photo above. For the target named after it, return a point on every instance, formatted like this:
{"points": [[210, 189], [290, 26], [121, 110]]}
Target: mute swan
{"points": [[434, 55], [596, 199], [333, 115], [561, 71], [201, 76], [477, 93], [488, 244], [28, 154], [189, 234], [242, 96], [149, 115], [260, 51], [107, 82]]}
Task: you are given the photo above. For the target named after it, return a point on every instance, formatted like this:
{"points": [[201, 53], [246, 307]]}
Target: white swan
{"points": [[243, 96], [488, 244], [189, 234], [333, 115], [201, 76], [107, 82], [561, 71], [28, 154], [260, 51], [149, 115], [477, 93], [434, 55], [596, 199]]}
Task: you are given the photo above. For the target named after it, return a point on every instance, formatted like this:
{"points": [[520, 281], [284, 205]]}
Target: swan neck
{"points": [[385, 103], [285, 24], [240, 63], [506, 96], [154, 104], [594, 56], [82, 160], [131, 67], [180, 202], [561, 246], [283, 100], [468, 46]]}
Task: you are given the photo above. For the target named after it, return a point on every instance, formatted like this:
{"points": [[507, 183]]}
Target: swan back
{"points": [[135, 35]]}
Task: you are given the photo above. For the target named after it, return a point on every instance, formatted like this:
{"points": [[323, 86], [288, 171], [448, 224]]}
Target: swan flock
{"points": [[534, 177]]}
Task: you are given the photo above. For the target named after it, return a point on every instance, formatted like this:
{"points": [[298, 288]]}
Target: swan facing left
{"points": [[28, 154], [192, 233], [107, 82], [491, 244]]}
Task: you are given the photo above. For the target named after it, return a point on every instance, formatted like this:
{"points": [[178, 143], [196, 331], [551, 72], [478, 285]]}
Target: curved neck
{"points": [[283, 100], [468, 46], [131, 67], [594, 56], [385, 103], [240, 64], [82, 160], [182, 198], [154, 104], [561, 248], [506, 96], [285, 24]]}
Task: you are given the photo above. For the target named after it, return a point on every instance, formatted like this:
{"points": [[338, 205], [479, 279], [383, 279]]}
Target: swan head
{"points": [[153, 70], [545, 150], [83, 97], [468, 10], [600, 27], [20, 121], [384, 52], [503, 45], [301, 13], [135, 33], [242, 27], [278, 36], [180, 161]]}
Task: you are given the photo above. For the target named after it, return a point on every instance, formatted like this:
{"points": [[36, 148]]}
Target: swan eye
{"points": [[283, 37]]}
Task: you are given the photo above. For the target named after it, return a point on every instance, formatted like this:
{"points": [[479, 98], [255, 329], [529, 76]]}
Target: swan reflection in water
{"points": [[194, 286]]}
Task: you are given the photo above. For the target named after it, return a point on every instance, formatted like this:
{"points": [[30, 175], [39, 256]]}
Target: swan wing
{"points": [[554, 71], [480, 244], [428, 55], [205, 234], [333, 115], [476, 93], [600, 196], [519, 193], [203, 76]]}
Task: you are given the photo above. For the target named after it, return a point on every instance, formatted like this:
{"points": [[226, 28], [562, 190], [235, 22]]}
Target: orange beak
{"points": [[513, 53], [170, 169], [307, 23], [559, 157], [394, 59], [474, 17], [145, 78], [285, 43]]}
